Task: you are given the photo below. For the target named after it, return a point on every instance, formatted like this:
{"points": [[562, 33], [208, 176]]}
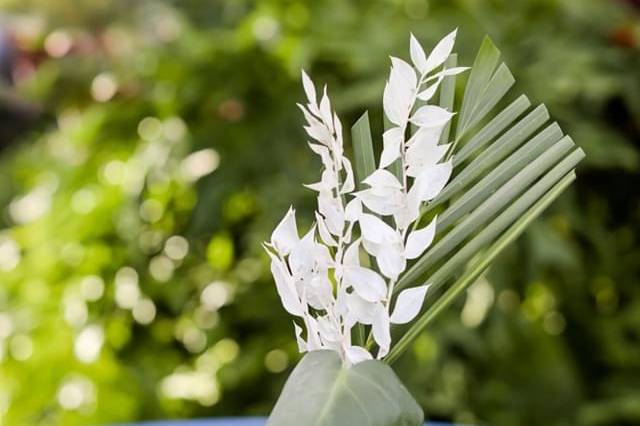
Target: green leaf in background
{"points": [[363, 148], [365, 164], [321, 392]]}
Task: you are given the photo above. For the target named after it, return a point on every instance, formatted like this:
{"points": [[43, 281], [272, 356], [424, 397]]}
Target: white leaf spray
{"points": [[319, 277]]}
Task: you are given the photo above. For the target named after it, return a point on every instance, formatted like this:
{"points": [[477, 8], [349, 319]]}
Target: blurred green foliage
{"points": [[162, 144]]}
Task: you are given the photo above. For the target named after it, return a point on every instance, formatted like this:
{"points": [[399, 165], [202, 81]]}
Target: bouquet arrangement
{"points": [[400, 238]]}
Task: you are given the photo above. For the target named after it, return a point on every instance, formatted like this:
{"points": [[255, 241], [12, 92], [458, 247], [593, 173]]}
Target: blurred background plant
{"points": [[148, 147]]}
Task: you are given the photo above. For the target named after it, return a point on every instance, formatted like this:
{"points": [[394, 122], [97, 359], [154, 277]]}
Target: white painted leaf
{"points": [[356, 354], [383, 202], [432, 180], [327, 329], [390, 105], [313, 337], [325, 235], [352, 254], [375, 230], [385, 196], [353, 210], [424, 151], [285, 287], [309, 88], [399, 92], [408, 304], [391, 260], [382, 179], [441, 52], [381, 332], [309, 258], [325, 110], [337, 124], [419, 240], [309, 115], [372, 248], [302, 345], [324, 154], [359, 310], [391, 140], [349, 182], [319, 133], [431, 116], [319, 292], [285, 236], [405, 72], [331, 209], [428, 93], [447, 72], [318, 187], [418, 56], [367, 283]]}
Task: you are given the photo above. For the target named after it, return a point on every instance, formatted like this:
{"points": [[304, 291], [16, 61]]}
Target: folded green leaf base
{"points": [[322, 392]]}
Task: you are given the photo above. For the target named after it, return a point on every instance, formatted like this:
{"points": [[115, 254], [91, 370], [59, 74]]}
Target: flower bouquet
{"points": [[397, 240]]}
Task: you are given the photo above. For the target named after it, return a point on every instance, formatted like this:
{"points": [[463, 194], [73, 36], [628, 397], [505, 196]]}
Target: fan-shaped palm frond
{"points": [[509, 164]]}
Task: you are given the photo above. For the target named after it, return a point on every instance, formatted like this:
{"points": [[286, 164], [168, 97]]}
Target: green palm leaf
{"points": [[509, 164]]}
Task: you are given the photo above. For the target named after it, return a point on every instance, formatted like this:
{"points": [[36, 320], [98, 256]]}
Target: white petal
{"points": [[381, 332], [356, 354], [418, 56], [367, 283], [391, 139], [441, 52], [408, 304], [419, 240], [285, 236], [432, 180], [309, 88], [285, 288], [374, 229], [353, 210], [431, 116], [302, 345], [325, 235]]}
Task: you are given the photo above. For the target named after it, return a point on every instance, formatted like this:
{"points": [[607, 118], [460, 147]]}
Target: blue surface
{"points": [[253, 421]]}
